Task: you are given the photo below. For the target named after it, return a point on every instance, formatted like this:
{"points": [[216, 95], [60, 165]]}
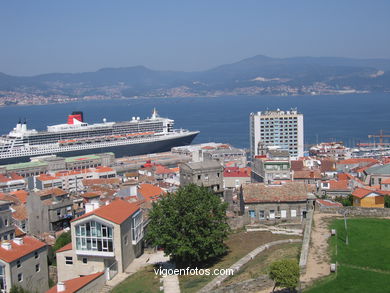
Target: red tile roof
{"points": [[385, 181], [150, 191], [30, 245], [21, 195], [102, 169], [90, 195], [297, 165], [20, 213], [236, 172], [52, 191], [362, 192], [338, 185], [65, 248], [328, 203], [290, 191], [357, 161], [307, 174], [46, 177], [74, 285], [117, 211]]}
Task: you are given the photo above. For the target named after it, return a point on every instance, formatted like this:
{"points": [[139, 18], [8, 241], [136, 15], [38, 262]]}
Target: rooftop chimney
{"points": [[61, 287], [6, 245], [18, 241]]}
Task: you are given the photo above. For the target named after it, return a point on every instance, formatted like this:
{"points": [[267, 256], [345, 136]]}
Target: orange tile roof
{"points": [[260, 192], [65, 248], [21, 195], [328, 203], [150, 191], [237, 172], [342, 176], [54, 191], [338, 185], [8, 197], [117, 211], [362, 192], [102, 169], [20, 212], [74, 285], [30, 245], [90, 195], [386, 181], [45, 177], [309, 174], [357, 161]]}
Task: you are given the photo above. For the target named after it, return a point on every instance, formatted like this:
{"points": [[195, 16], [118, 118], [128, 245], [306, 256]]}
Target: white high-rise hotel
{"points": [[283, 129]]}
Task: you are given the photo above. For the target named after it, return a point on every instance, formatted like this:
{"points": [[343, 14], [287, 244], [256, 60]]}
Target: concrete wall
{"points": [[94, 286], [32, 280], [356, 211], [65, 271], [38, 216]]}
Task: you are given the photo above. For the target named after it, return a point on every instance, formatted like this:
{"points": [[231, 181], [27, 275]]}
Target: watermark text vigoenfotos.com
{"points": [[193, 272]]}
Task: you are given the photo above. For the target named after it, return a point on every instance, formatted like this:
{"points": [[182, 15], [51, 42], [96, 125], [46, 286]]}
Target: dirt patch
{"points": [[318, 262]]}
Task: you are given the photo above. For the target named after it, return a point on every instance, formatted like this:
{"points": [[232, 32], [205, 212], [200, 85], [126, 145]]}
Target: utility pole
{"points": [[346, 228]]}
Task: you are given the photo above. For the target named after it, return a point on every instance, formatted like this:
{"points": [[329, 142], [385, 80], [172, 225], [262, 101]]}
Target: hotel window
{"points": [[94, 236], [36, 254], [37, 268], [252, 213], [20, 277], [18, 264]]}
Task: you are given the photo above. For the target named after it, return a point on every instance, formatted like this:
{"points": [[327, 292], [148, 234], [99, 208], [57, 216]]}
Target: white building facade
{"points": [[283, 129]]}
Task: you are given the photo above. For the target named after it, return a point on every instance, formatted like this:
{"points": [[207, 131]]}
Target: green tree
{"points": [[387, 201], [285, 273], [190, 225], [62, 240], [345, 201]]}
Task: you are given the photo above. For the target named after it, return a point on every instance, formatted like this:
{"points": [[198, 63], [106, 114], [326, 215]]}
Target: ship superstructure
{"points": [[76, 137]]}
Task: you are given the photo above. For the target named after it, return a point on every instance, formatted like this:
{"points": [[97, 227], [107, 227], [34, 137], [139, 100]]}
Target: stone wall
{"points": [[356, 211], [306, 242], [53, 274], [236, 222], [252, 285]]}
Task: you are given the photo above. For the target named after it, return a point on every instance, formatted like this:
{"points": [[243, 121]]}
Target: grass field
{"points": [[364, 264], [239, 245], [144, 281], [260, 264]]}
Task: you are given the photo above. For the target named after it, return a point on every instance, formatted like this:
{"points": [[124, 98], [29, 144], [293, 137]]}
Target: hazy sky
{"points": [[39, 36]]}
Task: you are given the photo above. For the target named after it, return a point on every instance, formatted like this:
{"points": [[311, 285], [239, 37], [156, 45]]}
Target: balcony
{"points": [[95, 253]]}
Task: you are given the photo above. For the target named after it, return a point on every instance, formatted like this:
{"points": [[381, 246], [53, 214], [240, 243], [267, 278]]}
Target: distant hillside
{"points": [[255, 75]]}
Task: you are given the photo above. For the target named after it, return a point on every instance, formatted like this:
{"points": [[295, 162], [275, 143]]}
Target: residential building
{"points": [[49, 210], [7, 229], [44, 181], [277, 128], [208, 173], [271, 166], [334, 188], [105, 239], [368, 198], [85, 284], [11, 182], [374, 175], [234, 177], [23, 262], [261, 203]]}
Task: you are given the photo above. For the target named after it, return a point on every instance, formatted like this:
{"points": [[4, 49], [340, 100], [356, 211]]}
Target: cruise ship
{"points": [[76, 137]]}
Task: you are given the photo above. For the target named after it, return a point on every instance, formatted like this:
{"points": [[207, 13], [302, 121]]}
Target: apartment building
{"points": [[106, 239], [49, 210], [23, 262], [277, 128]]}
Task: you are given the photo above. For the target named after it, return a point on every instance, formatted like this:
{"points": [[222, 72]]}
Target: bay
{"points": [[348, 118]]}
